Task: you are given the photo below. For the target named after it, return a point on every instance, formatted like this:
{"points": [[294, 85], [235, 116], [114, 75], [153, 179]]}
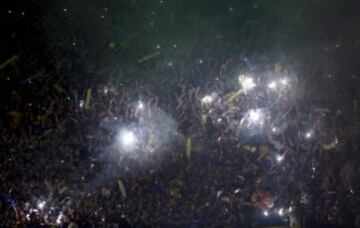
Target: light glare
{"points": [[308, 135], [281, 212], [284, 81], [255, 115], [247, 83], [207, 99], [272, 85], [127, 139], [41, 205], [140, 105], [59, 218], [279, 158]]}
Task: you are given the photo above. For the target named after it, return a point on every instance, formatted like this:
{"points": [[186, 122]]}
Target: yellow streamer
{"points": [[148, 57], [88, 98], [122, 189], [234, 96], [9, 61], [188, 148]]}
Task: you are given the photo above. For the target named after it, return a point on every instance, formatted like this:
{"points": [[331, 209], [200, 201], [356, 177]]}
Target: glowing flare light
{"points": [[247, 83], [140, 106], [256, 116], [308, 135], [279, 158], [127, 139], [281, 212], [272, 85], [41, 205], [207, 99]]}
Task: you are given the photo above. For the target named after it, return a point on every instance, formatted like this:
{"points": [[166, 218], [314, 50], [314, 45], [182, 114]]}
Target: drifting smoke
{"points": [[138, 145]]}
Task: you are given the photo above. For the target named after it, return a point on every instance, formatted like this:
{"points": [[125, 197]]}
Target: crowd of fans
{"points": [[60, 165]]}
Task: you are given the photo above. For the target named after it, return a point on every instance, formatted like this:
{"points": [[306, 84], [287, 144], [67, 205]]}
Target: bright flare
{"points": [[59, 218], [272, 85], [308, 135], [281, 212], [279, 158], [255, 115], [41, 205], [284, 81], [290, 209], [140, 106], [266, 213], [247, 83], [81, 103], [207, 99], [126, 139]]}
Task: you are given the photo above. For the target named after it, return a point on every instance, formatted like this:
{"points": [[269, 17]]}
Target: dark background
{"points": [[92, 41]]}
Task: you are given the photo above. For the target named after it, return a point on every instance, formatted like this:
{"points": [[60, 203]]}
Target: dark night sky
{"points": [[82, 32]]}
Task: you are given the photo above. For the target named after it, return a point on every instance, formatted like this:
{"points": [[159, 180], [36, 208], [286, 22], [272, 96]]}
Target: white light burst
{"points": [[208, 99], [41, 205], [59, 218], [255, 116], [272, 85], [140, 105], [126, 139], [279, 158], [284, 81], [308, 135], [247, 83], [281, 212]]}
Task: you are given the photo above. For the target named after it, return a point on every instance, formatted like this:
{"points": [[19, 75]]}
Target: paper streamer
{"points": [[122, 189], [88, 98], [188, 148]]}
